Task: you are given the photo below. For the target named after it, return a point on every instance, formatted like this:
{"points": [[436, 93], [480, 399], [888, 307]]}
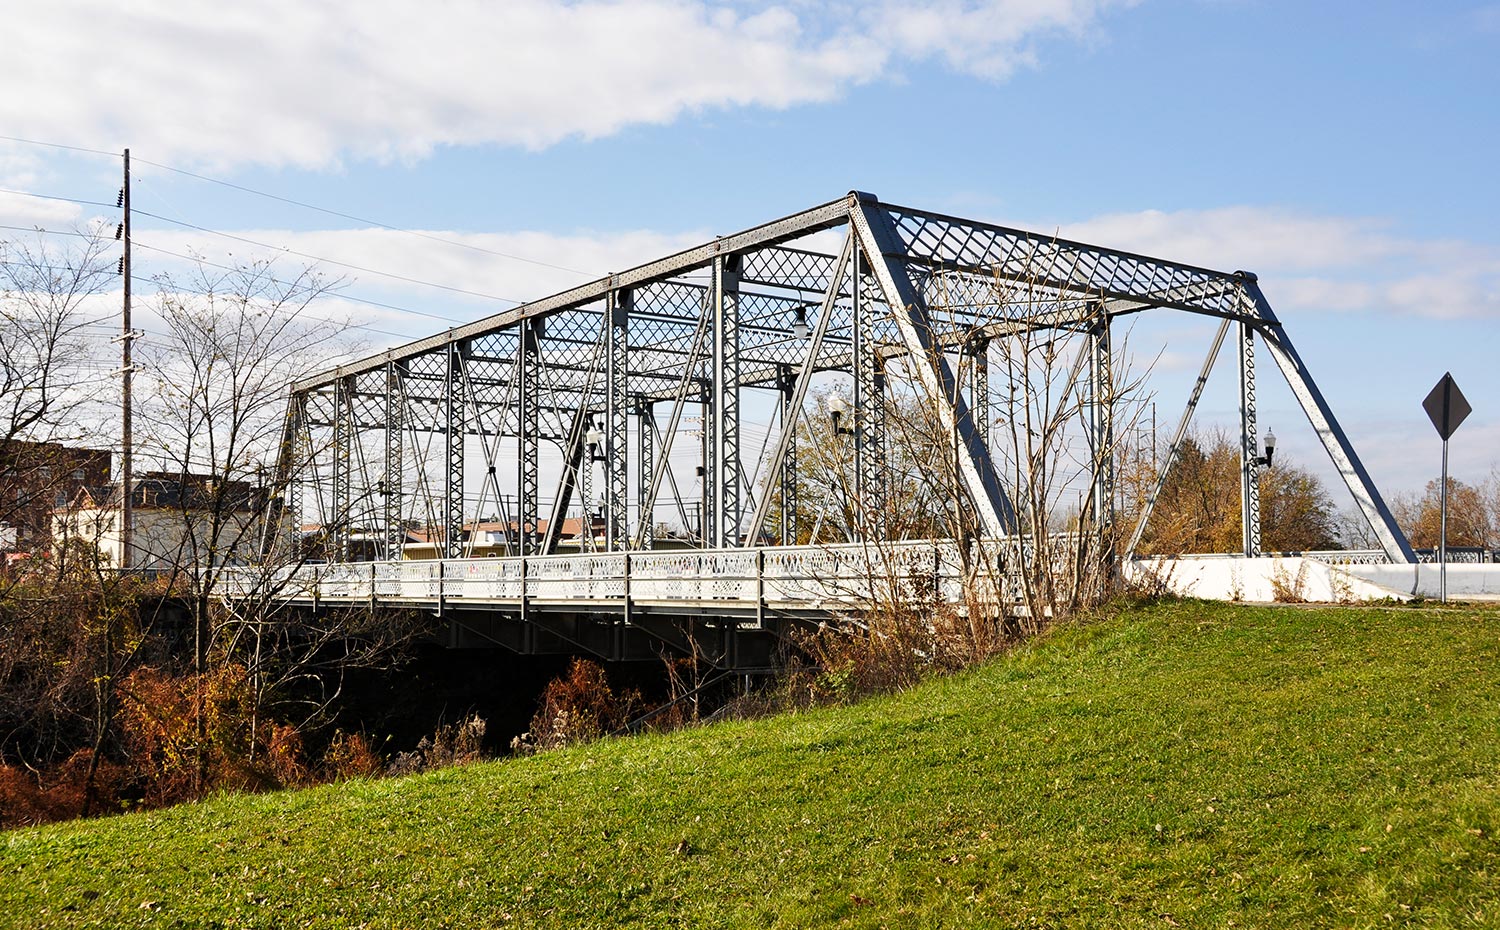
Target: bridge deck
{"points": [[752, 582]]}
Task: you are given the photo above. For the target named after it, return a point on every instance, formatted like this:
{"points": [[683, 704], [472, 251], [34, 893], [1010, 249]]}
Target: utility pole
{"points": [[127, 336]]}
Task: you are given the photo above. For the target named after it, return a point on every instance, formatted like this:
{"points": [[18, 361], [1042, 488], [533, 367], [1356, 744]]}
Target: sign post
{"points": [[1447, 407]]}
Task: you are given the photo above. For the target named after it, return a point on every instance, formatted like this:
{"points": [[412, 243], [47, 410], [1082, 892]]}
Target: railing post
{"points": [[525, 611], [760, 587], [625, 613]]}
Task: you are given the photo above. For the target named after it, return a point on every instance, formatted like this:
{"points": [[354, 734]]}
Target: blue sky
{"points": [[1345, 152]]}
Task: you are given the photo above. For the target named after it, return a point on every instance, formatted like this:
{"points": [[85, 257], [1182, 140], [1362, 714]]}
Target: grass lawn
{"points": [[1179, 765]]}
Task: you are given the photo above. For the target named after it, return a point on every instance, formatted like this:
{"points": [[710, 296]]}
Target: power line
{"points": [[98, 324], [48, 232], [360, 219], [303, 204], [202, 261], [360, 300], [92, 203], [316, 319], [59, 145], [330, 261]]}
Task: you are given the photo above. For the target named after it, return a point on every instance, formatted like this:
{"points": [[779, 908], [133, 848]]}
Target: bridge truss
{"points": [[601, 379]]}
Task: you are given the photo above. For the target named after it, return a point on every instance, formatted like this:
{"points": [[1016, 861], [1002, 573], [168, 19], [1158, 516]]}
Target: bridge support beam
{"points": [[645, 470], [1326, 426], [343, 466], [528, 433], [1102, 410], [393, 485], [617, 419], [723, 424], [1249, 445], [909, 310], [284, 520], [786, 383], [869, 410], [455, 415], [1178, 438], [978, 352]]}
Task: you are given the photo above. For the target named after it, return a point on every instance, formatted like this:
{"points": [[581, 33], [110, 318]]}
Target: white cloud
{"points": [[1247, 237], [308, 82], [25, 212], [478, 264], [1309, 262]]}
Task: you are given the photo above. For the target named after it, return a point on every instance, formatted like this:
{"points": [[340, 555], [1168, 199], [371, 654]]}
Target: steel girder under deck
{"points": [[391, 437]]}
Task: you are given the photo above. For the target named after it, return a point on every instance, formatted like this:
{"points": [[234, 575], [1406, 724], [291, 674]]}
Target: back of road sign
{"points": [[1446, 406]]}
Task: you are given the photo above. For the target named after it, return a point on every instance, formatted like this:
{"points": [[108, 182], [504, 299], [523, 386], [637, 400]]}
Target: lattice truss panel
{"points": [[462, 424]]}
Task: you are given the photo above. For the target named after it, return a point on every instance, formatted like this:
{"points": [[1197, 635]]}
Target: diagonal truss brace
{"points": [[1177, 440], [802, 383], [1340, 451], [871, 226]]}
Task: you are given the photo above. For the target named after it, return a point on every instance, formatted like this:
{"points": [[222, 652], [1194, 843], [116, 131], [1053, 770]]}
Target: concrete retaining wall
{"points": [[1300, 579]]}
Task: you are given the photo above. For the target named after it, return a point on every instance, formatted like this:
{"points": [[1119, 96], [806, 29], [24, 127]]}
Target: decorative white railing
{"points": [[1456, 555], [839, 577]]}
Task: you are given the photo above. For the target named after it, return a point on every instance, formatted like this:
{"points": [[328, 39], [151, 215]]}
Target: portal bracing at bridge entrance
{"points": [[595, 390]]}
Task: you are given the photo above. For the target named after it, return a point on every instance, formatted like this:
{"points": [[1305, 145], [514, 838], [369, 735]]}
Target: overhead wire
{"points": [[360, 300], [293, 202], [331, 261], [359, 219], [59, 145], [48, 232], [92, 203]]}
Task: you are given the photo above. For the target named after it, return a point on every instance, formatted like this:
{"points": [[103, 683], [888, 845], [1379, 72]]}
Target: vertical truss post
{"points": [[395, 428], [786, 383], [869, 410], [455, 430], [725, 473], [617, 420], [872, 439], [1249, 483], [979, 386], [528, 432], [583, 466], [284, 515], [706, 473], [343, 465], [645, 469], [1102, 384], [886, 253], [1340, 450]]}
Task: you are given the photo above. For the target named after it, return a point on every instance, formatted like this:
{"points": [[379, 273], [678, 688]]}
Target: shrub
{"points": [[28, 798], [576, 707], [350, 755], [449, 745]]}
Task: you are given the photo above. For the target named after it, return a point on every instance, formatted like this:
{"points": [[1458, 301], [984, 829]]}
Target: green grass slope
{"points": [[1187, 765]]}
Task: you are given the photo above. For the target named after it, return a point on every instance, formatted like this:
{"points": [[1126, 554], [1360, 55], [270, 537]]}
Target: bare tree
{"points": [[47, 387], [67, 626], [233, 344]]}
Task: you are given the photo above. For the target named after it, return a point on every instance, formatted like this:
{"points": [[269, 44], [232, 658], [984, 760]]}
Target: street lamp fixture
{"points": [[594, 439], [799, 325], [838, 409], [1269, 444]]}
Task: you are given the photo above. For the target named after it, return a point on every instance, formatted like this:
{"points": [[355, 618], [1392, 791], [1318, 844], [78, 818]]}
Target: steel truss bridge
{"points": [[597, 382]]}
